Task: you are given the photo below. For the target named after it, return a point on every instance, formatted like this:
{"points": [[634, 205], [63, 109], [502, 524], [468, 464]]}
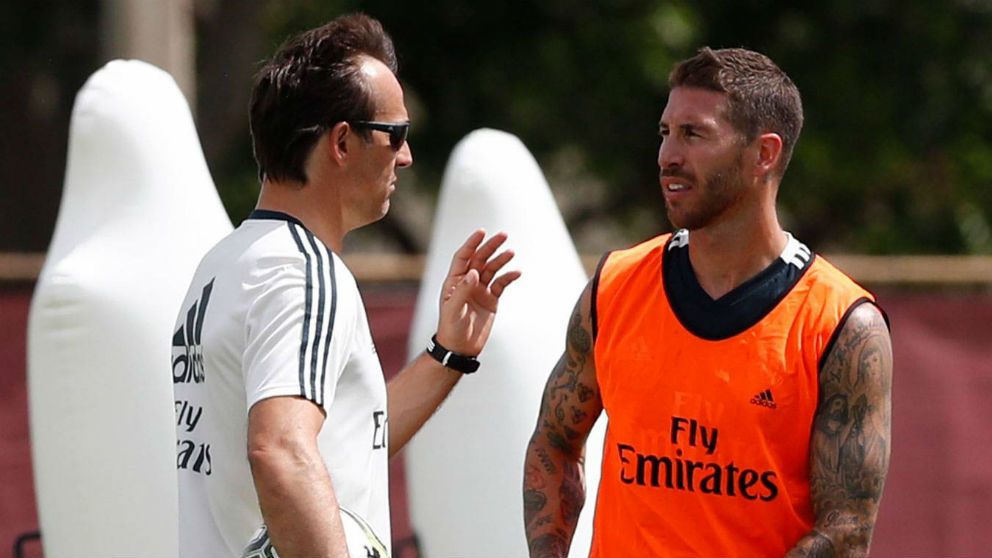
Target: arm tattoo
{"points": [[815, 545], [554, 491], [550, 544], [558, 441], [578, 415], [542, 520], [534, 501], [549, 465], [564, 386], [849, 451], [573, 494]]}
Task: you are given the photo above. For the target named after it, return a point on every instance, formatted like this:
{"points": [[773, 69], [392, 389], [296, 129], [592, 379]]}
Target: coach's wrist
{"points": [[466, 364]]}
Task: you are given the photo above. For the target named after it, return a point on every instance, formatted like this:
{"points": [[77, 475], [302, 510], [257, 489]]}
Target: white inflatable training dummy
{"points": [[138, 211], [465, 468]]}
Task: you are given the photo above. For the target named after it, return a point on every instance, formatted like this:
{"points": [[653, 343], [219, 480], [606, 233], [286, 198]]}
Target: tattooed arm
{"points": [[849, 448], [554, 477]]}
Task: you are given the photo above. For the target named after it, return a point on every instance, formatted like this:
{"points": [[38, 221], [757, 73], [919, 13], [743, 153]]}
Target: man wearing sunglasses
{"points": [[288, 422]]}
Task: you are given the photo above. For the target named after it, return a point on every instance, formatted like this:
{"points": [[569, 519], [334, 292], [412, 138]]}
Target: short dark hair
{"points": [[311, 83], [761, 97]]}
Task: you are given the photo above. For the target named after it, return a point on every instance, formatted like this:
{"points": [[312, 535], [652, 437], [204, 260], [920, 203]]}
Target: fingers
{"points": [[486, 251], [463, 256], [472, 255], [494, 265], [501, 282]]}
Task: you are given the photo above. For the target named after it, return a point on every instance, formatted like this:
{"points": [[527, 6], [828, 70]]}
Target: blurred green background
{"points": [[895, 156]]}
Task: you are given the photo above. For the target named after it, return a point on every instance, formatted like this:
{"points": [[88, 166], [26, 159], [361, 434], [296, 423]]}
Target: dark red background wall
{"points": [[938, 498]]}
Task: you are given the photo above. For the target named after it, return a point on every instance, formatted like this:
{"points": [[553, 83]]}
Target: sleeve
{"points": [[292, 326]]}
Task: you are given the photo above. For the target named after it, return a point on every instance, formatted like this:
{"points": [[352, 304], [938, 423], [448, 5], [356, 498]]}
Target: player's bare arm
{"points": [[469, 300], [554, 474], [850, 444], [294, 489]]}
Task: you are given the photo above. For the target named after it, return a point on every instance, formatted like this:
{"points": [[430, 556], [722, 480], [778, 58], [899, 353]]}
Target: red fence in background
{"points": [[18, 513], [938, 498]]}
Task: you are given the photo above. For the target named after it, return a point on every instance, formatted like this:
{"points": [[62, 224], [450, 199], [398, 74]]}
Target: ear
{"points": [[337, 142], [769, 153]]}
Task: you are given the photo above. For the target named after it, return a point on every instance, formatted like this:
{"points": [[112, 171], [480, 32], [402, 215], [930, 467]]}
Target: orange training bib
{"points": [[707, 450]]}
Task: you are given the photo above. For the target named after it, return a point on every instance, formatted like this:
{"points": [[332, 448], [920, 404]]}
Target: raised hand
{"points": [[470, 294]]}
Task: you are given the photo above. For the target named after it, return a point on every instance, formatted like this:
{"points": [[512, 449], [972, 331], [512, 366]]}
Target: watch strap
{"points": [[450, 359]]}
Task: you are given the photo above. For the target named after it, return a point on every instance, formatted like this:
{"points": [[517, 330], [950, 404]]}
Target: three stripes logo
{"points": [[764, 399], [318, 321], [187, 359], [797, 254]]}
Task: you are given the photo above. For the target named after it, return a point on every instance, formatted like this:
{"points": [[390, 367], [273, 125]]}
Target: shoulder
{"points": [[647, 247], [861, 350], [263, 248], [827, 276], [255, 245], [283, 259], [645, 253], [830, 294], [861, 320]]}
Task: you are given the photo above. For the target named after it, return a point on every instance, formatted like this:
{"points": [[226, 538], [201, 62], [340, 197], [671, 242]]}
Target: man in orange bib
{"points": [[746, 380]]}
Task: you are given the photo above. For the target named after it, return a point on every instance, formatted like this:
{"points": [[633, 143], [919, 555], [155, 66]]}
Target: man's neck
{"points": [[304, 202], [727, 254]]}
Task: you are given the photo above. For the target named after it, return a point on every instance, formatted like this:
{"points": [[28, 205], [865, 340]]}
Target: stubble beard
{"points": [[718, 192]]}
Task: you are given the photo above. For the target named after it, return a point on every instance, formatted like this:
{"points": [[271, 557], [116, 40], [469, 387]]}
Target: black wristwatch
{"points": [[450, 359]]}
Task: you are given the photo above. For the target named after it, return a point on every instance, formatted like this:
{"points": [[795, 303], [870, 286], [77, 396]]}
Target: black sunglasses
{"points": [[397, 131]]}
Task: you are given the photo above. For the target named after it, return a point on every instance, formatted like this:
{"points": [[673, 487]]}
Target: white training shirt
{"points": [[271, 311]]}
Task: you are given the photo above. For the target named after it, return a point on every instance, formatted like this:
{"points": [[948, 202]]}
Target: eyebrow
{"points": [[687, 127]]}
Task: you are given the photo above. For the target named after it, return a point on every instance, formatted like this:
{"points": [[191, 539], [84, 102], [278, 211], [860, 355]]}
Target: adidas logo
{"points": [[764, 399], [187, 355]]}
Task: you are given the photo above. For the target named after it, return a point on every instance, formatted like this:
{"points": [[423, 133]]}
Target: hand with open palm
{"points": [[470, 293]]}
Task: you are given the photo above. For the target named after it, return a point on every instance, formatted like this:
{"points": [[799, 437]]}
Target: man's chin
{"points": [[383, 211], [691, 222], [677, 221], [372, 219]]}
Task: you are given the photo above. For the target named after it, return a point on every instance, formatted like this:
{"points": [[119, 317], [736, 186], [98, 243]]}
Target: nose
{"points": [[404, 157], [669, 154]]}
